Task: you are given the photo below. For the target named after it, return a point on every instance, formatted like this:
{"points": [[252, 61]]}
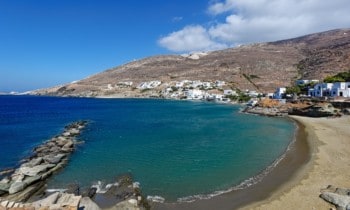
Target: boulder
{"points": [[55, 150], [31, 179], [91, 192], [2, 192], [346, 111], [6, 171], [41, 149], [66, 134], [68, 145], [5, 187], [33, 171], [28, 192], [51, 199], [33, 162], [17, 187], [341, 201], [74, 131], [126, 205], [73, 189], [87, 204], [17, 177], [53, 159], [342, 191]]}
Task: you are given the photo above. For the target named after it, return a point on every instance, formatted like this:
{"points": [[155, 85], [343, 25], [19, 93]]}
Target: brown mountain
{"points": [[261, 67]]}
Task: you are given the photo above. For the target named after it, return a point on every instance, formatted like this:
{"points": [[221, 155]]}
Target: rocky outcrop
{"points": [[315, 110], [47, 158], [124, 194], [62, 201]]}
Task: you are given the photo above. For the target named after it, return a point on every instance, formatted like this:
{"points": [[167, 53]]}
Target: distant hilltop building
{"points": [[306, 81]]}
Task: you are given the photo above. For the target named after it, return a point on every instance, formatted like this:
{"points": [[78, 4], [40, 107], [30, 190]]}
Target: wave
{"points": [[102, 188], [55, 190], [155, 199]]}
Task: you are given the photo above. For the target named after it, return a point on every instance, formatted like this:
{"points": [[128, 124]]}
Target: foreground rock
{"points": [[30, 176], [122, 195], [340, 197], [54, 201]]}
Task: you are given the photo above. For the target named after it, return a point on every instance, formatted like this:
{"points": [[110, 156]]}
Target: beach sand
{"points": [[320, 157], [329, 141]]}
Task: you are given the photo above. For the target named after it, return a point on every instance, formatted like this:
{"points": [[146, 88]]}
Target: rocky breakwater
{"points": [[29, 178]]}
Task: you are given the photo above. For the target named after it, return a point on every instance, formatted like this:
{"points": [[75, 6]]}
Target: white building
{"points": [[179, 84], [341, 89], [219, 83], [306, 81], [253, 93], [280, 92], [194, 94], [196, 83], [229, 92], [149, 85], [125, 84]]}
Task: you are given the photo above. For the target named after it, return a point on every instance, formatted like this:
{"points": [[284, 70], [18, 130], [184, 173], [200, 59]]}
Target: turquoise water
{"points": [[173, 148]]}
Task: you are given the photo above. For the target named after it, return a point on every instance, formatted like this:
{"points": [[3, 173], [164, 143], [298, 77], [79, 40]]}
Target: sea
{"points": [[179, 150]]}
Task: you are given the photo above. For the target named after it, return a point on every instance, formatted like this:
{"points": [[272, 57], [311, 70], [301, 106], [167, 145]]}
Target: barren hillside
{"points": [[261, 67]]}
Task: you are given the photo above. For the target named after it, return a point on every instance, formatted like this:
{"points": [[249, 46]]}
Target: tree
{"points": [[340, 77], [295, 90]]}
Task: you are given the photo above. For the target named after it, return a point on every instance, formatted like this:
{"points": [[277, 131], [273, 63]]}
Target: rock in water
{"points": [[16, 187], [54, 159], [28, 171], [5, 186], [32, 179]]}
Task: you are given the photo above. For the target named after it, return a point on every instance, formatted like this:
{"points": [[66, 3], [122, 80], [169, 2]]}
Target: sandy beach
{"points": [[329, 141]]}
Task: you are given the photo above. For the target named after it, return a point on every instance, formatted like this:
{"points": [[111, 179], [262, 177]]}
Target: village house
{"points": [[194, 94], [279, 93], [337, 89]]}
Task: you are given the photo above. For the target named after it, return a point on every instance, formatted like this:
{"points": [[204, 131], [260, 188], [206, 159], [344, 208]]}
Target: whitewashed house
{"points": [[337, 89], [194, 94], [219, 83], [279, 93]]}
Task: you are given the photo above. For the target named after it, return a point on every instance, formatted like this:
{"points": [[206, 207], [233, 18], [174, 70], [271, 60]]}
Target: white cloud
{"points": [[249, 21], [190, 38]]}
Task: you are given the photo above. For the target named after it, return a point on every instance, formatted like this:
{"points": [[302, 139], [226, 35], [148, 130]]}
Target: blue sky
{"points": [[49, 42]]}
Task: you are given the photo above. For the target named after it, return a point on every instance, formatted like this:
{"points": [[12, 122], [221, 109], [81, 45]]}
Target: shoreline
{"points": [[262, 190], [328, 139], [318, 158]]}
